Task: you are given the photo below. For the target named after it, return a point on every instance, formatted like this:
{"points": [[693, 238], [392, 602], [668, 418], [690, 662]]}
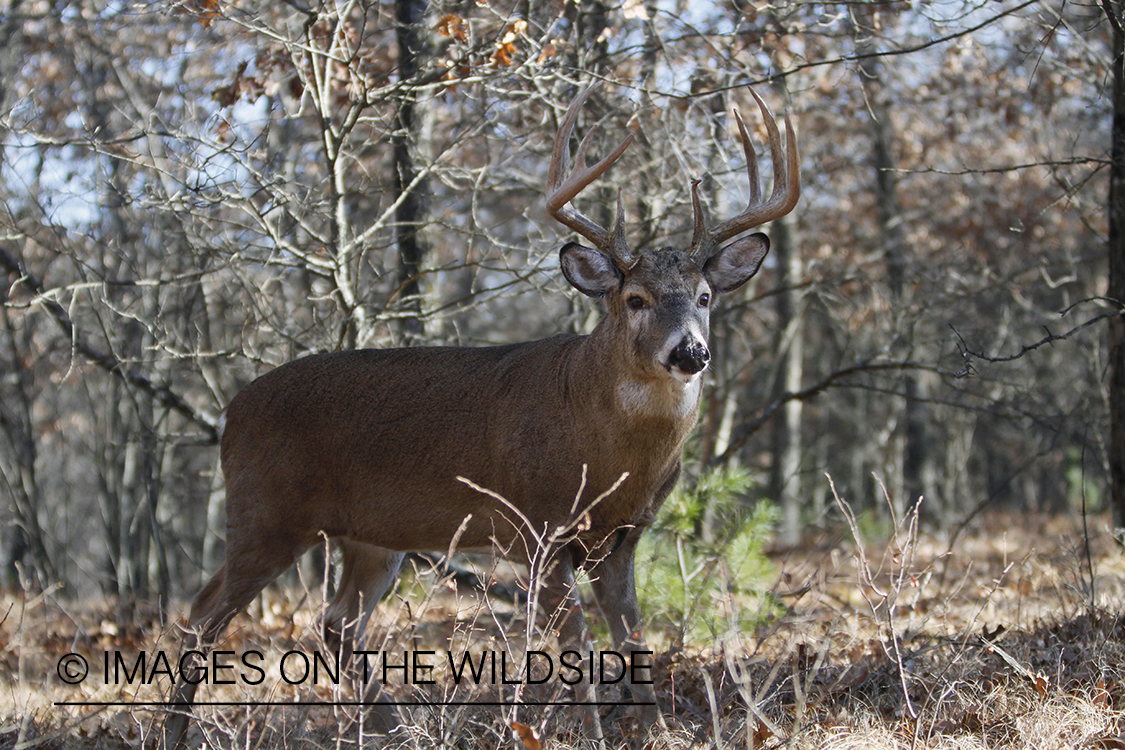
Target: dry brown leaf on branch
{"points": [[242, 85], [205, 10], [550, 49], [528, 736], [502, 57], [453, 27], [506, 47]]}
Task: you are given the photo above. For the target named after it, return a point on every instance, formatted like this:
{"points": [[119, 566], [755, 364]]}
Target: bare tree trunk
{"points": [[593, 20], [1116, 256], [18, 479], [411, 216], [25, 536], [722, 397], [135, 411], [721, 392], [646, 223], [911, 453], [10, 54], [785, 485]]}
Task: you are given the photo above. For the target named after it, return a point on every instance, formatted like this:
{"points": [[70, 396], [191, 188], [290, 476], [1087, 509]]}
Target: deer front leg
{"points": [[559, 599], [368, 573], [615, 589]]}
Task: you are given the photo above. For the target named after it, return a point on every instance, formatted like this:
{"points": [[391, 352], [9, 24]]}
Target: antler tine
{"points": [[786, 177], [752, 160], [699, 232], [561, 190]]}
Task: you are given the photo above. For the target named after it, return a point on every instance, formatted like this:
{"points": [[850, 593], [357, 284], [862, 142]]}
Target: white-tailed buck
{"points": [[370, 447]]}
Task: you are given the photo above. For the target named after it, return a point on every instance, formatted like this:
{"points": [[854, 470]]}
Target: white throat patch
{"points": [[661, 398]]}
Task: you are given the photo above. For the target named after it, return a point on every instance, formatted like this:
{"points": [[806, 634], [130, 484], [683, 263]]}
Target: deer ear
{"points": [[733, 266], [590, 271]]}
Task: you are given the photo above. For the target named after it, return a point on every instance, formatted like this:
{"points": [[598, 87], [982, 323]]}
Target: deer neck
{"points": [[642, 398]]}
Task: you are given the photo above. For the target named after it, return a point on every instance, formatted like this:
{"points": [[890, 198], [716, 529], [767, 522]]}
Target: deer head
{"points": [[659, 301]]}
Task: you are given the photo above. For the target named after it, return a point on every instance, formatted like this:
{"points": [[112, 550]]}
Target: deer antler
{"points": [[786, 187], [560, 190]]}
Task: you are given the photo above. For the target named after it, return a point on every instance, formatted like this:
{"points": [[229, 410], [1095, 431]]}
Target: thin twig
{"points": [[108, 362], [1050, 338]]}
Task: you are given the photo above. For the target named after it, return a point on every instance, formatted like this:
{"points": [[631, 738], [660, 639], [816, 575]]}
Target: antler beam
{"points": [[562, 189], [786, 185]]}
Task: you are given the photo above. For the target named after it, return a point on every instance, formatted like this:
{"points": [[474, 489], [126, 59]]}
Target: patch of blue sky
{"points": [[61, 179]]}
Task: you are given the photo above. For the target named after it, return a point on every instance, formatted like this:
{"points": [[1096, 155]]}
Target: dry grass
{"points": [[1003, 639]]}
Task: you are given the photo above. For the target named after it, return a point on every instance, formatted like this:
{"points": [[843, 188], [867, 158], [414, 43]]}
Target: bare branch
{"points": [[843, 59], [743, 432], [968, 354], [108, 362]]}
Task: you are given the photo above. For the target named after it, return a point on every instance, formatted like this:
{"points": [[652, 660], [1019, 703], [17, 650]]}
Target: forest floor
{"points": [[1009, 635]]}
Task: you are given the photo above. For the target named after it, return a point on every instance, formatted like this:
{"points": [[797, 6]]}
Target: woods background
{"points": [[195, 193]]}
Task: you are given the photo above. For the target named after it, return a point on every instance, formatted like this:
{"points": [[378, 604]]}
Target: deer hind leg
{"points": [[245, 573], [368, 572], [560, 602]]}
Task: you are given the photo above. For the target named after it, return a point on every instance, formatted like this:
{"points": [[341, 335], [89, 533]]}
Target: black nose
{"points": [[690, 356]]}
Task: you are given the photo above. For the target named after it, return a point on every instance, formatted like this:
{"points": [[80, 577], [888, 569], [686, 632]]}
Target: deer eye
{"points": [[704, 300], [636, 302]]}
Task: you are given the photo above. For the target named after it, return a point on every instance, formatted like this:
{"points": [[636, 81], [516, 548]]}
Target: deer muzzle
{"points": [[690, 356]]}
